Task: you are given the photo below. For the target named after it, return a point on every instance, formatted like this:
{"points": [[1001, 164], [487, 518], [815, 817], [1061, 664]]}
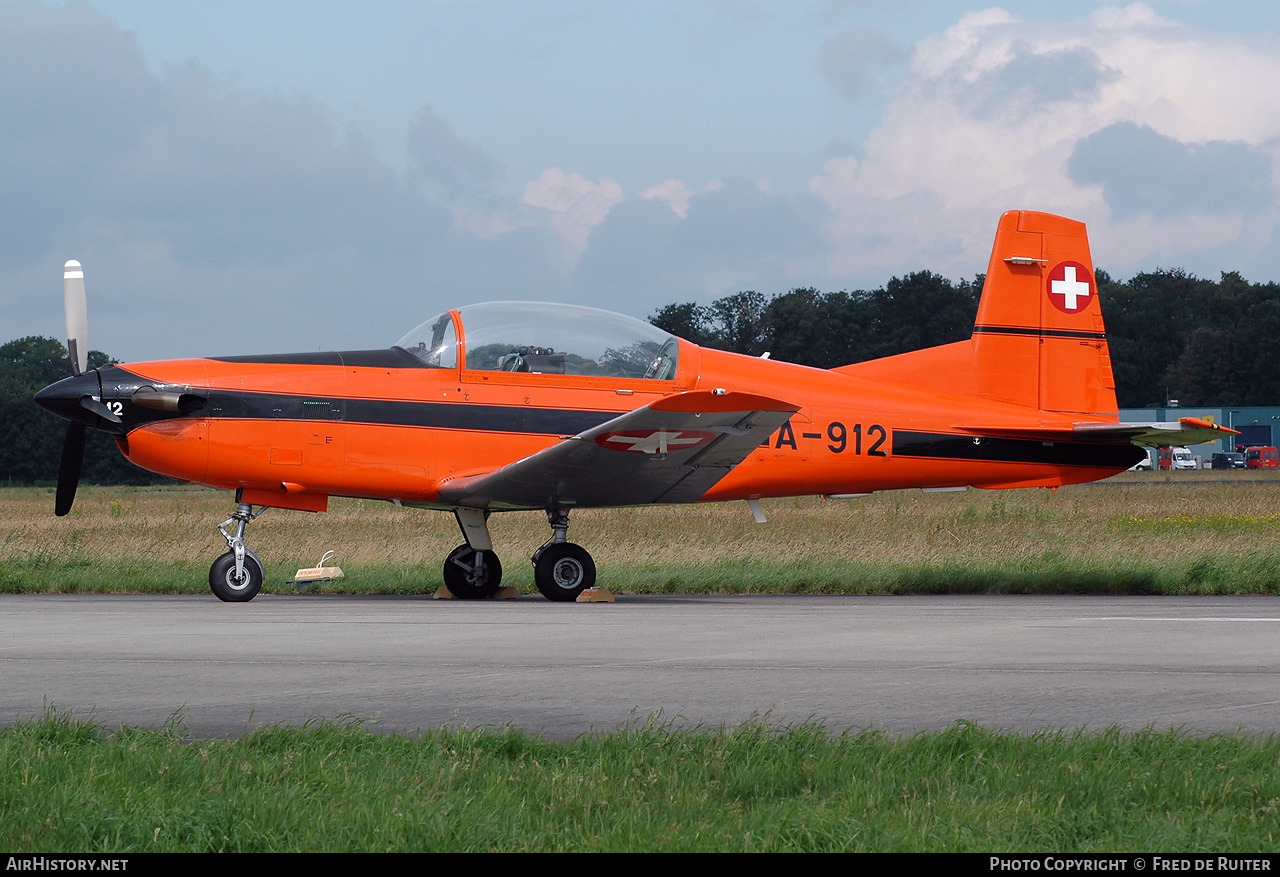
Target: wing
{"points": [[1186, 431], [672, 450]]}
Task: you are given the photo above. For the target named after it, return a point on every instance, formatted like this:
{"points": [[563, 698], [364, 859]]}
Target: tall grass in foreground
{"points": [[72, 786], [1201, 533]]}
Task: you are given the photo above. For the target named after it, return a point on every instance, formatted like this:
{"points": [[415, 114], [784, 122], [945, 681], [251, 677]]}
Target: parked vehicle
{"points": [[1265, 457], [1176, 458], [1145, 465], [1228, 460]]}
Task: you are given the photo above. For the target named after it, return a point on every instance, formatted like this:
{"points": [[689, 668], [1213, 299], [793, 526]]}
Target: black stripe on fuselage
{"points": [[386, 357], [935, 445], [1039, 332], [439, 415]]}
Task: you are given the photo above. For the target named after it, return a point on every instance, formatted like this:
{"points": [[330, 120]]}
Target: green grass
{"points": [[71, 785], [1214, 533]]}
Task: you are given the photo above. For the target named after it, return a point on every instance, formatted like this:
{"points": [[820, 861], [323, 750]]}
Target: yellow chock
{"points": [[443, 593], [595, 595]]}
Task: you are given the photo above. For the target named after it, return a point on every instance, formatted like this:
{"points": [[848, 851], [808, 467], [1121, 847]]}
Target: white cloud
{"points": [[991, 111], [672, 193], [578, 204]]}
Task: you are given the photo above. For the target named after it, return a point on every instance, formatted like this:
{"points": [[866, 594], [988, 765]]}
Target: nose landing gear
{"points": [[236, 577]]}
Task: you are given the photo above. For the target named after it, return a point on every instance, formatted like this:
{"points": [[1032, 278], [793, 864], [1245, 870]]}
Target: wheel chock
{"points": [[507, 593], [595, 595], [443, 593], [318, 573]]}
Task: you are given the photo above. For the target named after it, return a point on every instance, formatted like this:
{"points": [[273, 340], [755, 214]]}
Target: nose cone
{"points": [[63, 398]]}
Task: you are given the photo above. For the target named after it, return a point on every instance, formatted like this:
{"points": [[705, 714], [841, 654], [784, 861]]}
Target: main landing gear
{"points": [[561, 569], [470, 574], [236, 577]]}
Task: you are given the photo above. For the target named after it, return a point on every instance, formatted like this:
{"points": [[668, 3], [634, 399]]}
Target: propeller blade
{"points": [[69, 471], [77, 314], [88, 403]]}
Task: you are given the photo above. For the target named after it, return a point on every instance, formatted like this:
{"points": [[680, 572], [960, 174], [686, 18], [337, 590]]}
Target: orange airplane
{"points": [[514, 406]]}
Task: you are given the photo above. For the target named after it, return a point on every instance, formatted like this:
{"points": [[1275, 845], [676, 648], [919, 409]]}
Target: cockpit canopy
{"points": [[546, 338]]}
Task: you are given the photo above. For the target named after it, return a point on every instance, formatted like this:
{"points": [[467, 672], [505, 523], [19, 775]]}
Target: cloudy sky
{"points": [[275, 176]]}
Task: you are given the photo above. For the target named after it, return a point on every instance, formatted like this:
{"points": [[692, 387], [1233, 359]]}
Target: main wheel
{"points": [[229, 589], [468, 580], [563, 570]]}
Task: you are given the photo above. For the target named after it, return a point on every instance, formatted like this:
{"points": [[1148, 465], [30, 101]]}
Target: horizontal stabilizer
{"points": [[673, 450], [1186, 431]]}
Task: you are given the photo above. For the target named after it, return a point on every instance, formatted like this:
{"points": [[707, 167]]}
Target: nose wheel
{"points": [[232, 586]]}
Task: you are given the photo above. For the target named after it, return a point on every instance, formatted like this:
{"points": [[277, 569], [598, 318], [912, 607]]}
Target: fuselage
{"points": [[293, 430]]}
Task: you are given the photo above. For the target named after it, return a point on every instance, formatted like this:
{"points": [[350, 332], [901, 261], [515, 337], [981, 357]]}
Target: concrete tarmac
{"points": [[1202, 664]]}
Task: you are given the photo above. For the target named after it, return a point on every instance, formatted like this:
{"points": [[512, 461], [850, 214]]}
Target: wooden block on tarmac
{"points": [[443, 593], [596, 595]]}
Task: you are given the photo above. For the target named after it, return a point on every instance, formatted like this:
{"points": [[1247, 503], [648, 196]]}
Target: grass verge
{"points": [[72, 785], [1130, 535]]}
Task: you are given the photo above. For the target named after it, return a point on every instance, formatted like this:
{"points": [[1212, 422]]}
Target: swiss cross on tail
{"points": [[1070, 287]]}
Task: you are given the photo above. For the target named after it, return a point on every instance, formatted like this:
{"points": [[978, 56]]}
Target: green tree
{"points": [[740, 322], [1148, 320], [688, 321], [795, 331], [921, 310], [31, 438]]}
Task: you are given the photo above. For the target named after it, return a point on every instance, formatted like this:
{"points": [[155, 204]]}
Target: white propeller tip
{"points": [[72, 270]]}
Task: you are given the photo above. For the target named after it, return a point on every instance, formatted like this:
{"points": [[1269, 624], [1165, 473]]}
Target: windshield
{"points": [[545, 338], [434, 342]]}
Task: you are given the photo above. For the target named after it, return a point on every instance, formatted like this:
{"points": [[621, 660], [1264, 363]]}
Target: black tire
{"points": [[563, 570], [460, 574], [222, 578]]}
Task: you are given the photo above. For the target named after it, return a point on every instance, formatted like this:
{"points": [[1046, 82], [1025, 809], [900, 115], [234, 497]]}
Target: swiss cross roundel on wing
{"points": [[1071, 287], [654, 441]]}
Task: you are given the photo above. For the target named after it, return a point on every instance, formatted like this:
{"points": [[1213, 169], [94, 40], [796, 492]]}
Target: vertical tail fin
{"points": [[1039, 338], [1038, 341]]}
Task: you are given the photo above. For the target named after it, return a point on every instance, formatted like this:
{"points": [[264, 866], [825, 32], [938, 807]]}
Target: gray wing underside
{"points": [[643, 457], [1184, 431]]}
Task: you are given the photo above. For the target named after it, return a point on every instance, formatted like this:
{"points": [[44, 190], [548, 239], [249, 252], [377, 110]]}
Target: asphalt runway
{"points": [[1202, 664]]}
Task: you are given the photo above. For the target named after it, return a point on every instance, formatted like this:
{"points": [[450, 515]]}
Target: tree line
{"points": [[1171, 335]]}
